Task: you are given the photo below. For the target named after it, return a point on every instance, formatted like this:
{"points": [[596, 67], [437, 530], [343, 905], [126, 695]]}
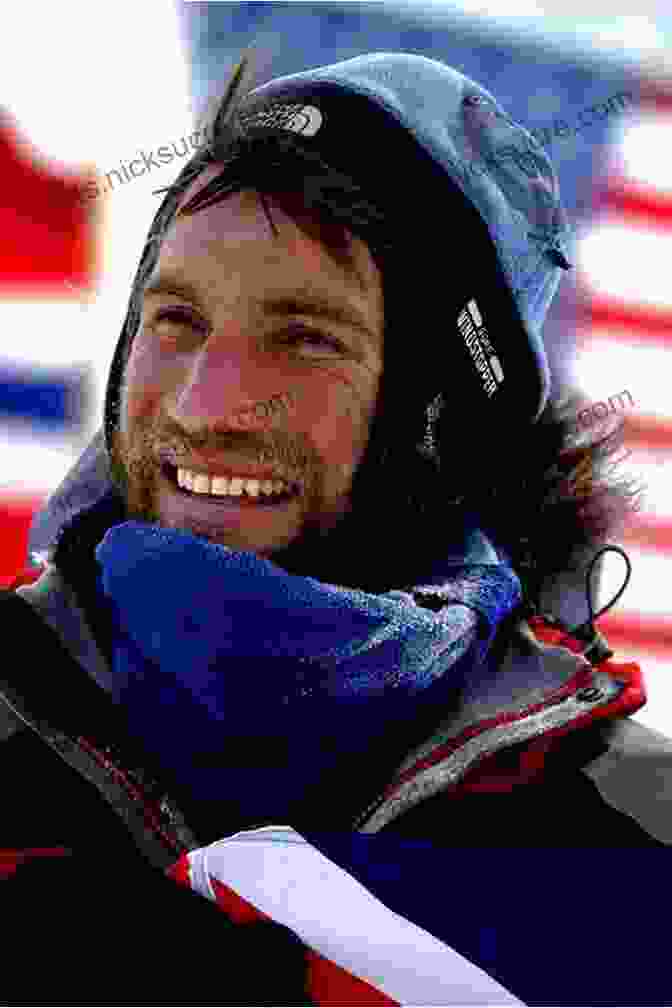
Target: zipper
{"points": [[368, 811]]}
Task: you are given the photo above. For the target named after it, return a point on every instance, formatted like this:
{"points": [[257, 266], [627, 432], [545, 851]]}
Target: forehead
{"points": [[236, 234]]}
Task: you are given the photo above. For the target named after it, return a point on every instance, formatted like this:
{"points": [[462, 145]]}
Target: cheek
{"points": [[145, 380], [338, 414]]}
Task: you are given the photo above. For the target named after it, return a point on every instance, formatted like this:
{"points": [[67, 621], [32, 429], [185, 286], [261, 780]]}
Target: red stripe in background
{"points": [[627, 323], [47, 231], [648, 532], [644, 432], [627, 631], [16, 515], [637, 202], [655, 92]]}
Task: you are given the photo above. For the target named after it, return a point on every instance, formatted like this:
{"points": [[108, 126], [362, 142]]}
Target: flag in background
{"points": [[75, 218], [602, 118], [624, 344], [47, 251]]}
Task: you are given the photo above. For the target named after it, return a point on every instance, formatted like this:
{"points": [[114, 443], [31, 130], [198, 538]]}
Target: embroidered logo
{"points": [[306, 121], [428, 446], [477, 341], [303, 119]]}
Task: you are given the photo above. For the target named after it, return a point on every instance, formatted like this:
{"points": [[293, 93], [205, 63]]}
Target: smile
{"points": [[225, 486], [234, 491]]}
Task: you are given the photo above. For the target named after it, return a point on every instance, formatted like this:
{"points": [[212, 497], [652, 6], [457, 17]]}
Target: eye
{"points": [[178, 316], [307, 334]]}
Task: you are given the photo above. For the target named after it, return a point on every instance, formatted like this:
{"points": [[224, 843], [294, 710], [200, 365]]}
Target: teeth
{"points": [[221, 486]]}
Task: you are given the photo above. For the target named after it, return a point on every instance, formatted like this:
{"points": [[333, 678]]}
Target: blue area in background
{"points": [[47, 402]]}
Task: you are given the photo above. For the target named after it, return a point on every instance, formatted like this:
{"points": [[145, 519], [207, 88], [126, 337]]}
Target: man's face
{"points": [[249, 375]]}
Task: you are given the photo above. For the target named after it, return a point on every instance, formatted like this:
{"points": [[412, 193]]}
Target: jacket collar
{"points": [[536, 688], [542, 691]]}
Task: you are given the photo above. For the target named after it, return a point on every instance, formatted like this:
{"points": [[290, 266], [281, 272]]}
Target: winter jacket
{"points": [[548, 758]]}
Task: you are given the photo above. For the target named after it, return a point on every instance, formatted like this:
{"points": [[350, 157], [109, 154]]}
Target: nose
{"points": [[227, 386]]}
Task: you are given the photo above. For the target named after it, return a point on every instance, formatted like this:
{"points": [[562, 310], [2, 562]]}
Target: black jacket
{"points": [[560, 765]]}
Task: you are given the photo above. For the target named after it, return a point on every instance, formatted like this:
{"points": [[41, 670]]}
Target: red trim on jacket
{"points": [[489, 778], [136, 792], [491, 774], [27, 576], [11, 859]]}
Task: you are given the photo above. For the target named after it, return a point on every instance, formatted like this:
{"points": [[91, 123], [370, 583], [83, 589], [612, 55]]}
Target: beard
{"points": [[378, 540], [317, 548]]}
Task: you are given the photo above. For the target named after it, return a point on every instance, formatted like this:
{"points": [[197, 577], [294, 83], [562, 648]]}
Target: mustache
{"points": [[144, 448], [244, 447], [249, 429]]}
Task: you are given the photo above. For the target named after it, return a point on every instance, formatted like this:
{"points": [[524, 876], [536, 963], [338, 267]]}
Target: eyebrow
{"points": [[167, 283], [319, 306], [297, 302]]}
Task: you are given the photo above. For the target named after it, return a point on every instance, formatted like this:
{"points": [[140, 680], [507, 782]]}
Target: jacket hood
{"points": [[446, 135]]}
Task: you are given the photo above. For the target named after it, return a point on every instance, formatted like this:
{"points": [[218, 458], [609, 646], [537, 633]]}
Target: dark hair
{"points": [[540, 491]]}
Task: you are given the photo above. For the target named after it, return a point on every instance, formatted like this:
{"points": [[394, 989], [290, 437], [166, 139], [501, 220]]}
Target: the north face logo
{"points": [[303, 119], [307, 121]]}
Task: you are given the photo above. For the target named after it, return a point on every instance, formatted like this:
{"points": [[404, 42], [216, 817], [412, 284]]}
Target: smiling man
{"points": [[236, 319], [313, 628]]}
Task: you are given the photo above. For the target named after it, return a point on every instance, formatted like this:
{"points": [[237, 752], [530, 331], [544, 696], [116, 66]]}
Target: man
{"points": [[297, 587]]}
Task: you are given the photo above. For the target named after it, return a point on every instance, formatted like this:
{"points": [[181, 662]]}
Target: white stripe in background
{"points": [[648, 590], [657, 676], [652, 474], [627, 263], [288, 879], [32, 463], [46, 334], [641, 150], [607, 368]]}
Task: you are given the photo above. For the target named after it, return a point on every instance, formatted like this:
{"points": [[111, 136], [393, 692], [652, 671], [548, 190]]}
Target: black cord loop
{"points": [[587, 632]]}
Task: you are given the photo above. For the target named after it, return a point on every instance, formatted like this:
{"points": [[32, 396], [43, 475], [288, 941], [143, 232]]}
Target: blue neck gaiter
{"points": [[248, 683]]}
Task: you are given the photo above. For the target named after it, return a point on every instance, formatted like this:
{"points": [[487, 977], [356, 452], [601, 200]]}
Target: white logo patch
{"points": [[470, 324], [306, 121]]}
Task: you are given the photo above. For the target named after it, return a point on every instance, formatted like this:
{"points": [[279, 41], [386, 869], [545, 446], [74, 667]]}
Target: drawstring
{"points": [[597, 649]]}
